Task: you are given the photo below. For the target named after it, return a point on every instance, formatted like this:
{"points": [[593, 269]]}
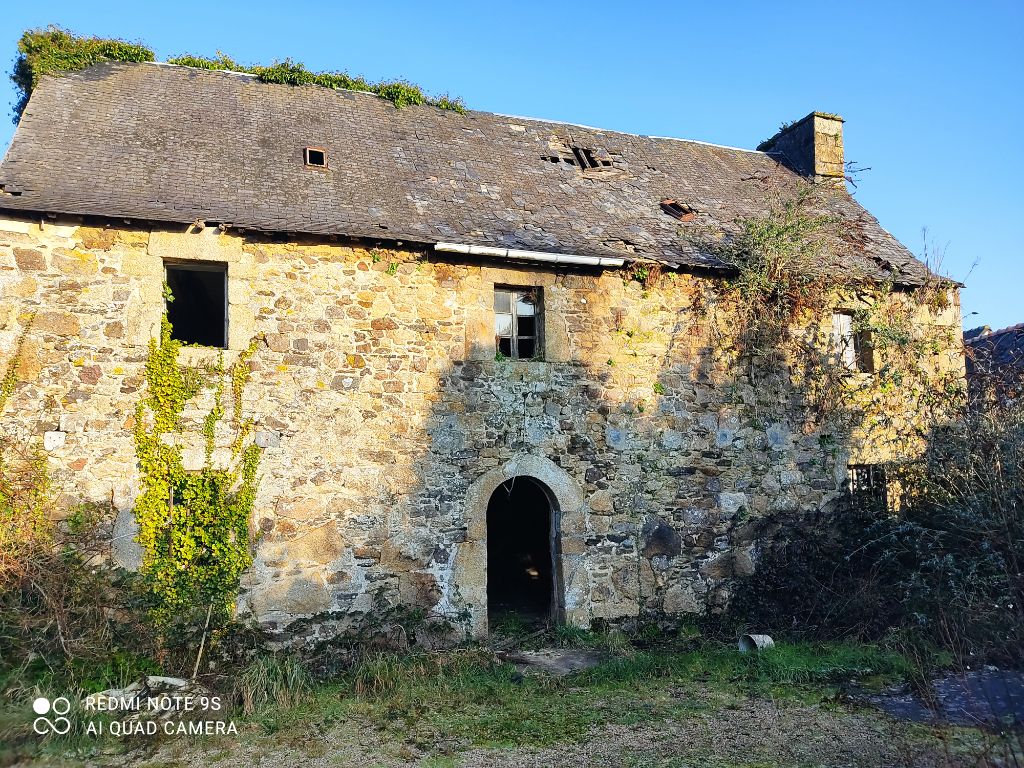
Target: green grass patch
{"points": [[468, 698]]}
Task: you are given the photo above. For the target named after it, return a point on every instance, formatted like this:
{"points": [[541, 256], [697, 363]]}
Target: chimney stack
{"points": [[812, 147]]}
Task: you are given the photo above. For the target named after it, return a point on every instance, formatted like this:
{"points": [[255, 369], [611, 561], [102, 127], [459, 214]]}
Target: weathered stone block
{"points": [[75, 262], [682, 598], [57, 322], [268, 438], [731, 503], [206, 245], [29, 259], [602, 503], [660, 538]]}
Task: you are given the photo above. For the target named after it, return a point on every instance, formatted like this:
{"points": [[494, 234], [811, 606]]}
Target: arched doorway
{"points": [[565, 498], [521, 552]]}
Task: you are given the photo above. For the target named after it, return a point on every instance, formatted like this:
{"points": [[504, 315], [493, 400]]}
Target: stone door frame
{"points": [[566, 500]]}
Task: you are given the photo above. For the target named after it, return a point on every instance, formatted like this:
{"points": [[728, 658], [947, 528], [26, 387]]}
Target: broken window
{"points": [[678, 210], [517, 320], [197, 303], [852, 345], [316, 156], [866, 482]]}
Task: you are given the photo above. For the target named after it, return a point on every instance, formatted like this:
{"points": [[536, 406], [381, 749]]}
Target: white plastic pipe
{"points": [[755, 643], [512, 253]]}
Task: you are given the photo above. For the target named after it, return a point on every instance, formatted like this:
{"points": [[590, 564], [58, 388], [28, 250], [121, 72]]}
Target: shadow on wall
{"points": [[659, 444]]}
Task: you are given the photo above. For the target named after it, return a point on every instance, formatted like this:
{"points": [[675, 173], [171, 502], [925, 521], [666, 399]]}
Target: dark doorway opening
{"points": [[520, 561], [197, 310]]}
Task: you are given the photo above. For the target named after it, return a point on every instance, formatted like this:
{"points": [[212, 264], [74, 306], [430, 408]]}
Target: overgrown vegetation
{"points": [[193, 526], [24, 487], [945, 568], [772, 316], [68, 620], [272, 681], [939, 563], [795, 268], [54, 50], [436, 705]]}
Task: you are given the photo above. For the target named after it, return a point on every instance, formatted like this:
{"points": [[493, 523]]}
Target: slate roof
{"points": [[174, 144], [992, 351]]}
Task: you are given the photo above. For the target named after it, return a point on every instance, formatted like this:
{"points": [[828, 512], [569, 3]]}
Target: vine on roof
{"points": [[54, 50]]}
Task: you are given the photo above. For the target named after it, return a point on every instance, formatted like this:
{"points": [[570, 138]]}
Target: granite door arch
{"points": [[523, 553], [566, 500]]}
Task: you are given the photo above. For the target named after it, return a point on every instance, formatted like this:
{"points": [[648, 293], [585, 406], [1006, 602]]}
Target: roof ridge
{"points": [[1017, 327], [552, 121], [234, 72], [613, 130]]}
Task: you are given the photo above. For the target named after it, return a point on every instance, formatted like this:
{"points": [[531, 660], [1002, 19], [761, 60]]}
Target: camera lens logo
{"points": [[59, 707]]}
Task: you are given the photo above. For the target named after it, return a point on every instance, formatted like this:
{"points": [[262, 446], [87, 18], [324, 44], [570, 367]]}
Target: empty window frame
{"points": [[517, 323], [315, 156], [852, 346], [867, 482], [197, 305]]}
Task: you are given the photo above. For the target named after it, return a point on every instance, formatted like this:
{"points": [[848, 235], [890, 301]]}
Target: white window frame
{"points": [[515, 294]]}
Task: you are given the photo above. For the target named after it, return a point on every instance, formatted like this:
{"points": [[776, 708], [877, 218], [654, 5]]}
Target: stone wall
{"points": [[386, 420]]}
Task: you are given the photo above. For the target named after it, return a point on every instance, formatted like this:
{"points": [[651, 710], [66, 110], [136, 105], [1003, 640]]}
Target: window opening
{"points": [[198, 301], [852, 345], [517, 318], [315, 156], [867, 482]]}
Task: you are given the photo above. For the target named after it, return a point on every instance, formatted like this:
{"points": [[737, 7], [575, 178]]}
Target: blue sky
{"points": [[932, 92]]}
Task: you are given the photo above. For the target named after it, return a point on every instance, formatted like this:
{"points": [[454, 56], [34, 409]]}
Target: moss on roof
{"points": [[54, 50]]}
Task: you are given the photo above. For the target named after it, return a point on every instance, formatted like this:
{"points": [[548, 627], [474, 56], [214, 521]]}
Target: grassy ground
{"points": [[689, 704]]}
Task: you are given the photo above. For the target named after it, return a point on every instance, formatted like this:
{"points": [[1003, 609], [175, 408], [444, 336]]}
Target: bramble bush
{"points": [[65, 613], [942, 561]]}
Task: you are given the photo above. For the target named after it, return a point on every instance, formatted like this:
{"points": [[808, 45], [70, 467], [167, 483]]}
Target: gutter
{"points": [[512, 253]]}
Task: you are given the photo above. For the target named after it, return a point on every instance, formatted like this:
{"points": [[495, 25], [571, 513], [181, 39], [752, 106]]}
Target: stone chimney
{"points": [[812, 147]]}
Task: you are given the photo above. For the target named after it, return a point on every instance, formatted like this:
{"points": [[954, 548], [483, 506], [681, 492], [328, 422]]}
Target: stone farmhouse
{"points": [[489, 376]]}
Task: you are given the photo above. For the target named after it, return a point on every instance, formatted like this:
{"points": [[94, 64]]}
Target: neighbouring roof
{"points": [[990, 350], [175, 144]]}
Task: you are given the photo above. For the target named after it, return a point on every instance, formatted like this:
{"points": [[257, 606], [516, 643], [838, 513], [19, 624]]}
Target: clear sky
{"points": [[932, 92]]}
